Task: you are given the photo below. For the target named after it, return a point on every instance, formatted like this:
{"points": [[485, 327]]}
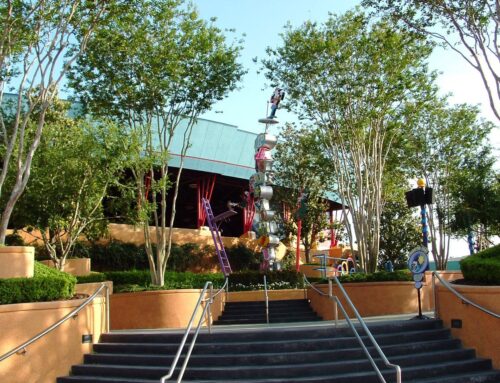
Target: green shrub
{"points": [[241, 258], [131, 277], [91, 278], [254, 280], [47, 284], [483, 267], [14, 239], [138, 280], [379, 276]]}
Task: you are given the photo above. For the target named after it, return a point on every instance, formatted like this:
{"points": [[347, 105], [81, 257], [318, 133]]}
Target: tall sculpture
{"points": [[261, 186]]}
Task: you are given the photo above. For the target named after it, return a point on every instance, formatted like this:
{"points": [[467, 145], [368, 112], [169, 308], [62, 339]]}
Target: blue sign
{"points": [[418, 262]]}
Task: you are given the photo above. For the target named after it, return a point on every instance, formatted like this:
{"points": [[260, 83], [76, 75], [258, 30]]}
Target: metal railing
{"points": [[21, 349], [338, 303], [457, 294], [206, 309], [368, 333], [267, 299]]}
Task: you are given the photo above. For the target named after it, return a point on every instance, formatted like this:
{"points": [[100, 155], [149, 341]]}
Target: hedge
{"points": [[47, 284], [93, 277], [482, 268]]}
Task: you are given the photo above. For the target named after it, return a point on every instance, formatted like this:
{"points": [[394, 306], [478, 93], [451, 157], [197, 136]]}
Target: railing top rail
{"points": [[368, 333], [55, 325], [201, 299], [460, 296], [313, 287], [223, 288]]}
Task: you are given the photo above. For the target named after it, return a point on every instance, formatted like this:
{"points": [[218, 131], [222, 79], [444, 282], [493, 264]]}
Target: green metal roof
{"points": [[216, 148]]}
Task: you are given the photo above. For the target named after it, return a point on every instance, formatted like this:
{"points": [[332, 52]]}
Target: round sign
{"points": [[418, 285], [418, 261]]}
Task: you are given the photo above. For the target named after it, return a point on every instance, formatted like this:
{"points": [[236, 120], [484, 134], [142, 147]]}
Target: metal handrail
{"points": [[267, 299], [458, 295], [201, 300], [330, 296], [368, 332], [312, 286], [73, 314]]}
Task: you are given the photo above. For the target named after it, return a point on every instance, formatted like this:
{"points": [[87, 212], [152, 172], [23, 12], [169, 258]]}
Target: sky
{"points": [[262, 21]]}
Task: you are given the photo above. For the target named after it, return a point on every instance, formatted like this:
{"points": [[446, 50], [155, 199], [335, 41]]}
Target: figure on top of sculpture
{"points": [[276, 97]]}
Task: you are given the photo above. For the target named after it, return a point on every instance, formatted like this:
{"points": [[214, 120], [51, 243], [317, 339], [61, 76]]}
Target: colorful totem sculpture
{"points": [[261, 186]]}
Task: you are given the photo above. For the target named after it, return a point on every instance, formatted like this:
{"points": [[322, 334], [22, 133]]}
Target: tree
{"points": [[355, 91], [76, 163], [476, 192], [300, 169], [445, 140], [399, 226], [154, 66], [470, 28], [37, 47]]}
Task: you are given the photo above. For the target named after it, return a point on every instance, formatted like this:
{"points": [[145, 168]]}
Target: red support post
{"points": [[297, 255], [204, 190]]}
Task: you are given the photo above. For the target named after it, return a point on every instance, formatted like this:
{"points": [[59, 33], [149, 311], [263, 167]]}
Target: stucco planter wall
{"points": [[73, 266], [479, 330], [17, 261], [246, 296], [158, 309], [54, 354], [372, 299]]}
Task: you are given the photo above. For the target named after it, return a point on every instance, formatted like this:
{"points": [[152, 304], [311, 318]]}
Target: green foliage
{"points": [[254, 280], [130, 281], [131, 277], [400, 229], [93, 277], [76, 163], [190, 256], [476, 195], [113, 256], [443, 146], [355, 93], [483, 267], [47, 284], [379, 276], [241, 258], [468, 27], [154, 66], [302, 173], [14, 239]]}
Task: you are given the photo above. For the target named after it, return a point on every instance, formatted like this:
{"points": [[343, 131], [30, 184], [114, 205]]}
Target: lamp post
{"points": [[418, 261]]}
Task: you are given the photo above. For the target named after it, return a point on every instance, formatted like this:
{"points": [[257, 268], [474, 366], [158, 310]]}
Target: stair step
{"points": [[279, 333], [424, 350], [274, 358]]}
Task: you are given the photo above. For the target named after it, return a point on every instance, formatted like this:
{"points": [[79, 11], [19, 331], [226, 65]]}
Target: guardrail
{"points": [[209, 301], [337, 304], [267, 299], [457, 294], [21, 349]]}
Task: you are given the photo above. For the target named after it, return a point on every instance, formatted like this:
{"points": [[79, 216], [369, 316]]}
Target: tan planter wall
{"points": [[274, 295], [73, 266], [310, 272], [158, 309], [372, 299], [479, 330], [91, 288], [54, 354], [17, 261]]}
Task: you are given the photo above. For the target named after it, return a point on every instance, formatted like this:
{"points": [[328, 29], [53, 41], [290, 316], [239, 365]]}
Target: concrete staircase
{"points": [[291, 353], [285, 311]]}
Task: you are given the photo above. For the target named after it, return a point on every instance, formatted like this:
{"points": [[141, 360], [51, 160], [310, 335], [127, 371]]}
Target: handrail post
{"points": [[209, 310], [434, 294], [108, 304], [334, 302], [267, 299]]}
